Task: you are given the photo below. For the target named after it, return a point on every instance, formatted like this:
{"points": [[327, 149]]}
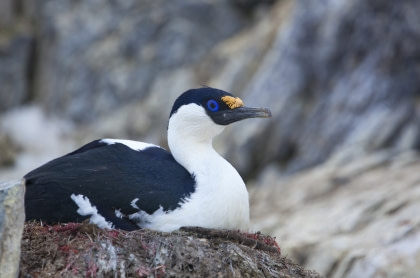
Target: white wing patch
{"points": [[133, 203], [135, 145], [118, 213], [86, 208]]}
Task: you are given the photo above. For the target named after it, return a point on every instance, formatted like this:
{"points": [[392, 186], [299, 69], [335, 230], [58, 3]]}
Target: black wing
{"points": [[111, 176]]}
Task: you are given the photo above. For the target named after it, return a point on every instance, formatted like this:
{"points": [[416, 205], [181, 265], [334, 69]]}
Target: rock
{"points": [[147, 118], [12, 217], [6, 12], [341, 80], [232, 63], [80, 250], [15, 55], [31, 138], [300, 59], [31, 127], [119, 48], [355, 220], [8, 151]]}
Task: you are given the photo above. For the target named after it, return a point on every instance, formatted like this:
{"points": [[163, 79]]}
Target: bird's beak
{"points": [[226, 117]]}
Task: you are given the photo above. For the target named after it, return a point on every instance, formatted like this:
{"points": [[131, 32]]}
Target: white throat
{"points": [[190, 137], [221, 198]]}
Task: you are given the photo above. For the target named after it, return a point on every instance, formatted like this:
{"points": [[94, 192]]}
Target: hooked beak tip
{"points": [[265, 113], [259, 112]]}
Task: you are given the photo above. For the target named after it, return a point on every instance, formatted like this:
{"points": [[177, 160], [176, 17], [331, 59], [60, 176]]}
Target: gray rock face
{"points": [[96, 55], [357, 220], [12, 217], [15, 55], [341, 80], [337, 86]]}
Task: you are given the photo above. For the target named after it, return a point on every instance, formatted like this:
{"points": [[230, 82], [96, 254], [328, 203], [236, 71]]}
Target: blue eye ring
{"points": [[212, 105]]}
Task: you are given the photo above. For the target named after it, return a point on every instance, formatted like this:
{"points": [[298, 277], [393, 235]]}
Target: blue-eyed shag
{"points": [[130, 185]]}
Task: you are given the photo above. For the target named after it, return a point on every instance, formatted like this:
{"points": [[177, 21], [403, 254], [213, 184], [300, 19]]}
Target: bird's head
{"points": [[203, 113]]}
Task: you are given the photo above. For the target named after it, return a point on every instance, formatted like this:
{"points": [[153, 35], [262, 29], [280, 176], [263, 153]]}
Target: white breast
{"points": [[220, 201]]}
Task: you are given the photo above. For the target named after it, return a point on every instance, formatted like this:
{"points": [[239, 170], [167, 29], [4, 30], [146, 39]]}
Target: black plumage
{"points": [[111, 176]]}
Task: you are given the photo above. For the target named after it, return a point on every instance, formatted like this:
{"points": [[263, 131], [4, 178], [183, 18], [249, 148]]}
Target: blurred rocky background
{"points": [[334, 175]]}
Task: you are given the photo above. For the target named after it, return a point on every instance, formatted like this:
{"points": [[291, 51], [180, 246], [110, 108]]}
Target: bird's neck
{"points": [[194, 154], [190, 141]]}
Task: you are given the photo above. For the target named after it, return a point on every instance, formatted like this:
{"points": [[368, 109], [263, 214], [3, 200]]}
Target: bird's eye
{"points": [[212, 105]]}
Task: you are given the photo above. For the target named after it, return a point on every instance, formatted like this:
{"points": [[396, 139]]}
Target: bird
{"points": [[129, 185]]}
